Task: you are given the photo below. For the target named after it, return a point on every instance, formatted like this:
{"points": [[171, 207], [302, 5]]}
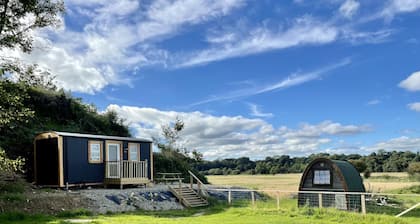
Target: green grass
{"points": [[240, 212]]}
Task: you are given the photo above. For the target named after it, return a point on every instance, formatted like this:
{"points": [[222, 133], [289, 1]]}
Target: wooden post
{"points": [[191, 181], [320, 200], [253, 198], [229, 197], [180, 189], [363, 200], [278, 201]]}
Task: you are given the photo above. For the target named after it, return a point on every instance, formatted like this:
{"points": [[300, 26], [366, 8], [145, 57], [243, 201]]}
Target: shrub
{"points": [[414, 170], [360, 165], [10, 167], [366, 174]]}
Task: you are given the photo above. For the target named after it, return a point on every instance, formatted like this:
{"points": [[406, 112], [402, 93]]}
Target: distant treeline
{"points": [[381, 161]]}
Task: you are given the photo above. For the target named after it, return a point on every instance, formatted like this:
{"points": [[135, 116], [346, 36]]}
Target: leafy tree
{"points": [[12, 108], [173, 156], [414, 170], [360, 165], [367, 174], [18, 18], [169, 144]]}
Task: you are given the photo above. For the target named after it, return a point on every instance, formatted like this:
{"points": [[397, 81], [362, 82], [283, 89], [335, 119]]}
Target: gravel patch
{"points": [[156, 198]]}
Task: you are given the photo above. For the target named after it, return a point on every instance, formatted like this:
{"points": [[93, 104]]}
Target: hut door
{"points": [[114, 160], [340, 202]]}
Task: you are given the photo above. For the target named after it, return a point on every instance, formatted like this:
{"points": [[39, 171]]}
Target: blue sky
{"points": [[249, 78]]}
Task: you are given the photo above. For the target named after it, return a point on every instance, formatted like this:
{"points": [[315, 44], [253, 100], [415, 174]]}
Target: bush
{"points": [[367, 174], [12, 197], [359, 165], [9, 167], [16, 186], [413, 170]]}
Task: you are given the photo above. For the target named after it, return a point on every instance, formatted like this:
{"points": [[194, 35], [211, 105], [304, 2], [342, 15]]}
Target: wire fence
{"points": [[382, 203]]}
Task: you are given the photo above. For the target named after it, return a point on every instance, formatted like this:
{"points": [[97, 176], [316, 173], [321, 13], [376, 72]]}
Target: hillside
{"points": [[52, 110]]}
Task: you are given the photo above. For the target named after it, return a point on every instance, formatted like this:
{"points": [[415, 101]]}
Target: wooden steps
{"points": [[188, 196]]}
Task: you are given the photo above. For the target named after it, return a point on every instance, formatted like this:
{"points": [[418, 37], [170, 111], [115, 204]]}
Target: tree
{"points": [[414, 170], [173, 156], [12, 109], [18, 18], [359, 165], [171, 136]]}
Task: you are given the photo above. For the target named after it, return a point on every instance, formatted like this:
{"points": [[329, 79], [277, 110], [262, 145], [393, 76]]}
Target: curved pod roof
{"points": [[349, 176]]}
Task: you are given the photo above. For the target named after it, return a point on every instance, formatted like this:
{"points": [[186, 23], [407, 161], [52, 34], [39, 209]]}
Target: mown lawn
{"points": [[240, 213]]}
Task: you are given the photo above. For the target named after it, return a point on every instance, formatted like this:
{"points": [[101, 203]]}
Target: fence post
{"points": [[253, 198], [363, 200], [278, 200], [320, 200], [229, 197]]}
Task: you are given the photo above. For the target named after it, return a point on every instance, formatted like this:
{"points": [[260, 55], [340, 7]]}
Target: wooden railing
{"points": [[126, 169], [201, 188]]}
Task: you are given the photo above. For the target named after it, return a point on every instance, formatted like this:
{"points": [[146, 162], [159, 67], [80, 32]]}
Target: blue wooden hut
{"points": [[63, 159]]}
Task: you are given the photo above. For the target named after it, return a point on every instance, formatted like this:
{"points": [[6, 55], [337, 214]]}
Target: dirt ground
{"points": [[37, 201]]}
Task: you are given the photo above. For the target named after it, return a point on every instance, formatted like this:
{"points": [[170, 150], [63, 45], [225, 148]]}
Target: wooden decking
{"points": [[126, 172]]}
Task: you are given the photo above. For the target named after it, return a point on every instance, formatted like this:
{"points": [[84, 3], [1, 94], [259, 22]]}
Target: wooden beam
{"points": [[60, 162], [151, 162]]}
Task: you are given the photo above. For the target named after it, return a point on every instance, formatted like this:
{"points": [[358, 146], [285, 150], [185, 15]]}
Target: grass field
{"points": [[378, 182], [242, 212], [239, 213]]}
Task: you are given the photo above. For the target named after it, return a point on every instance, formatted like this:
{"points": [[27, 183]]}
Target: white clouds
{"points": [[256, 111], [373, 102], [400, 6], [402, 143], [325, 128], [349, 8], [414, 106], [371, 37], [165, 17], [235, 136], [412, 83], [304, 31], [115, 37], [110, 40], [290, 81]]}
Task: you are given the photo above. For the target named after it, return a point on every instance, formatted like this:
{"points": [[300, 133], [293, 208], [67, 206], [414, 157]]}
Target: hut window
{"points": [[95, 152], [133, 152], [322, 177]]}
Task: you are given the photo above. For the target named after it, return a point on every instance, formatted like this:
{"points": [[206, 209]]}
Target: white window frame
{"points": [[322, 177], [92, 145], [137, 149]]}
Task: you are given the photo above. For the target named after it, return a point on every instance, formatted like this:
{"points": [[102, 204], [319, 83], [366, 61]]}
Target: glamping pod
{"points": [[329, 178], [63, 159]]}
